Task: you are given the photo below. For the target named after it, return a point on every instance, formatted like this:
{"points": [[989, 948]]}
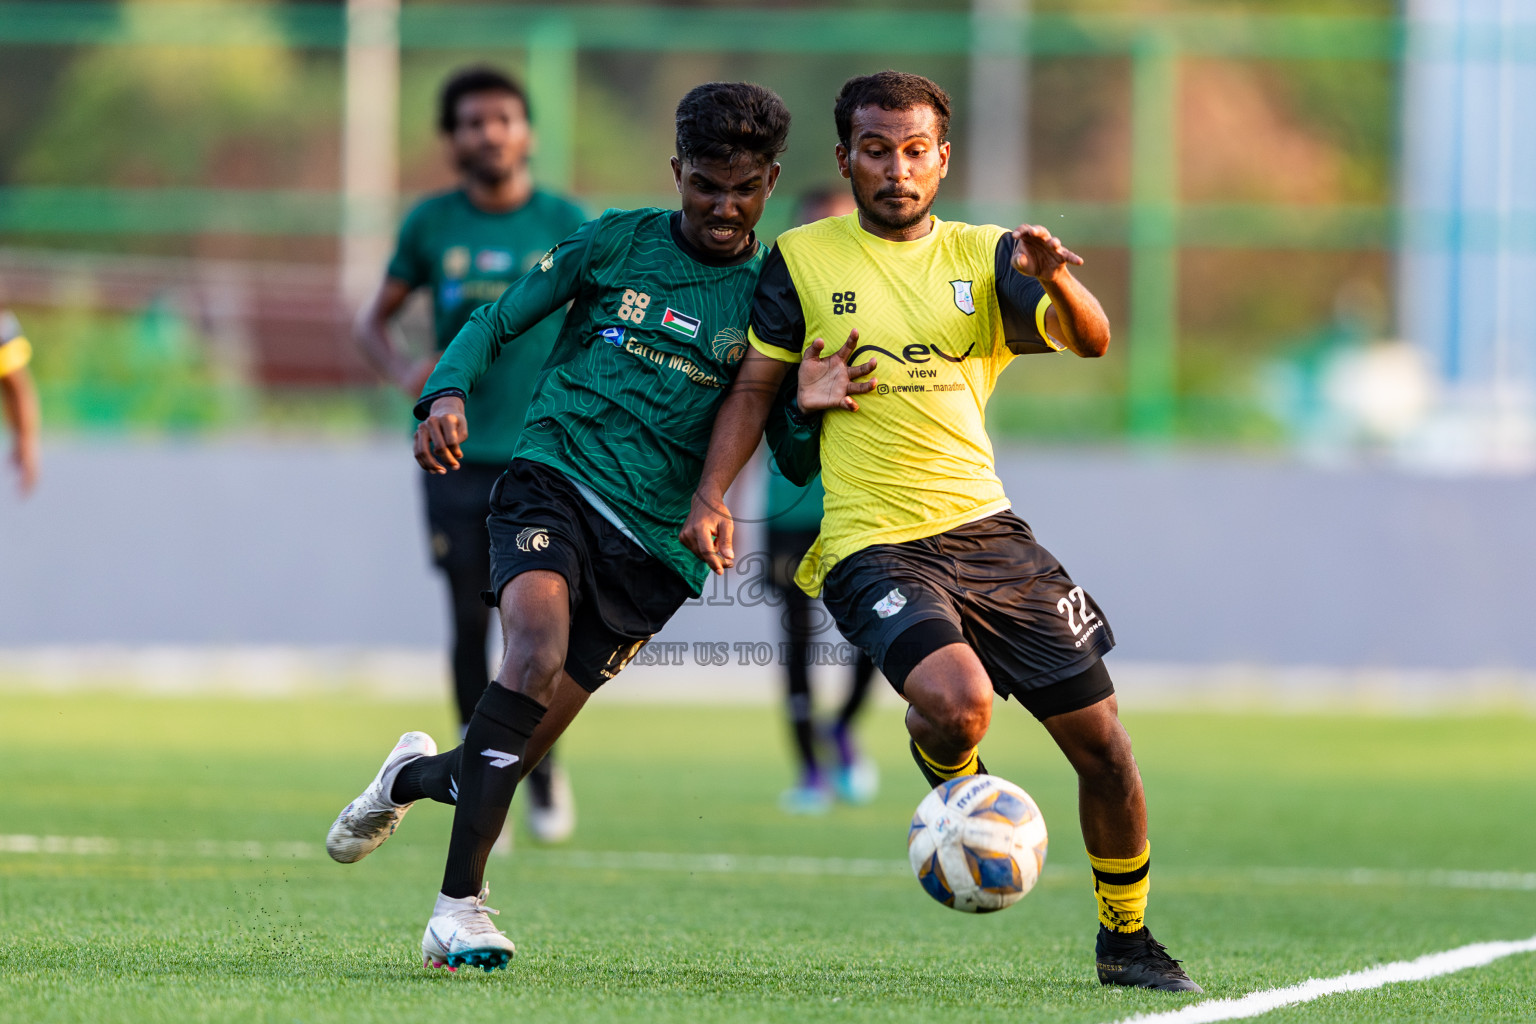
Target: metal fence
{"points": [[1152, 224]]}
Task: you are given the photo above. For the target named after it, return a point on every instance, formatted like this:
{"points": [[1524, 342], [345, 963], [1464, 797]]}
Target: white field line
{"points": [[1431, 965], [1504, 880], [731, 863], [213, 849], [696, 863]]}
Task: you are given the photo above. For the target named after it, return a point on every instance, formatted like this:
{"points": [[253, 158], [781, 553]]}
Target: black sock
{"points": [[800, 628], [436, 777], [863, 672], [490, 767], [804, 729]]}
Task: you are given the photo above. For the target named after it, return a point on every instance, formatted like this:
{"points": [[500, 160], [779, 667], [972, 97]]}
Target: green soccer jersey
{"points": [[627, 400], [466, 257]]}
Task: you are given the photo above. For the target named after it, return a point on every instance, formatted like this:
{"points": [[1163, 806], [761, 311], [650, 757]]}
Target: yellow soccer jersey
{"points": [[942, 315], [15, 352]]}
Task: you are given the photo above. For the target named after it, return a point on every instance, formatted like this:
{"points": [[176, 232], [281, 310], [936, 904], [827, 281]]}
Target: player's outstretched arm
{"points": [[440, 437], [824, 383], [1075, 318], [738, 426], [18, 398]]}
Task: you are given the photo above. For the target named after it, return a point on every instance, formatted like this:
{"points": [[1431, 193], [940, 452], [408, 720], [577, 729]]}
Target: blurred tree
{"points": [[176, 115], [262, 115], [147, 370], [28, 76]]}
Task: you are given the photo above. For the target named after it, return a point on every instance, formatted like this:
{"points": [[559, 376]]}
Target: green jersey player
{"points": [[586, 561], [464, 247]]}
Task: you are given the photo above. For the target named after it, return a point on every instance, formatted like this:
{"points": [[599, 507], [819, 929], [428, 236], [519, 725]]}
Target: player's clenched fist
{"points": [[441, 434]]}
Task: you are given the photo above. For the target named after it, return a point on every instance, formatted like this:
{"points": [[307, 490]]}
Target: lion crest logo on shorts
{"points": [[891, 603], [532, 538]]}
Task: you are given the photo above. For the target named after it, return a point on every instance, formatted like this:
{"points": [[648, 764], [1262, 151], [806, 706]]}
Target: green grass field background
{"points": [[1255, 820]]}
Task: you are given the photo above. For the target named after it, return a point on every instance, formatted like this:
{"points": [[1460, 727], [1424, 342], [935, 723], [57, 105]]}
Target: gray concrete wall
{"points": [[1202, 561], [1195, 560]]}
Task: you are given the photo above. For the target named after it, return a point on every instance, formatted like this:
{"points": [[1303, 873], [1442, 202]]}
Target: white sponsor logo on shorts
{"points": [[532, 538], [891, 603]]}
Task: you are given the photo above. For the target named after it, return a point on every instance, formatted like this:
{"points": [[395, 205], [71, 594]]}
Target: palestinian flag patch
{"points": [[687, 326]]}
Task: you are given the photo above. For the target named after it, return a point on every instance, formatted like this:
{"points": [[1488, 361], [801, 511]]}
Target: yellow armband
{"points": [[14, 354], [1040, 308]]}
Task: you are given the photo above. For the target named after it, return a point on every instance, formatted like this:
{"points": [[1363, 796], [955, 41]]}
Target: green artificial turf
{"points": [[1257, 822]]}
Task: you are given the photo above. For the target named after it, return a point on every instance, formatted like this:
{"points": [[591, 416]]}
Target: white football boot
{"points": [[857, 782], [366, 822], [555, 821], [461, 933]]}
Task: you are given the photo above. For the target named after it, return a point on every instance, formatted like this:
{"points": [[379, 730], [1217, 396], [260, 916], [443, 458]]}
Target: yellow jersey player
{"points": [[920, 558], [18, 399]]}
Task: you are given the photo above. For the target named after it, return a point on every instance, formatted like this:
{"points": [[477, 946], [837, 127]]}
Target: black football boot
{"points": [[1139, 960]]}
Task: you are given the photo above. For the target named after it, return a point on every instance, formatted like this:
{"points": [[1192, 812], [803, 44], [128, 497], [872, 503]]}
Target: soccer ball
{"points": [[977, 843]]}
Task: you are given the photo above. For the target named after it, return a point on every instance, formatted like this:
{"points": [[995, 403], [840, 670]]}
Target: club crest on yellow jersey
{"points": [[963, 298]]}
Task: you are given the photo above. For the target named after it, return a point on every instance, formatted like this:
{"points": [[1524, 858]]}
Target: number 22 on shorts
{"points": [[1065, 607]]}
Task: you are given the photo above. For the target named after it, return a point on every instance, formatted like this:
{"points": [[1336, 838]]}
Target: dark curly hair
{"points": [[727, 120], [889, 90], [467, 82]]}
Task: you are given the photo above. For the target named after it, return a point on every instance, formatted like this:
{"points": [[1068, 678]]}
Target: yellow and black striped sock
{"points": [[1121, 885], [933, 770]]}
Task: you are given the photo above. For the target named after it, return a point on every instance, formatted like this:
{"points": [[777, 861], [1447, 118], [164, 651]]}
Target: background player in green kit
{"points": [[793, 521], [465, 246], [586, 561]]}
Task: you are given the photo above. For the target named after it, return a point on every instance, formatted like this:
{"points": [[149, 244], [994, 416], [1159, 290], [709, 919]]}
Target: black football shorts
{"points": [[620, 595], [456, 505], [986, 584]]}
